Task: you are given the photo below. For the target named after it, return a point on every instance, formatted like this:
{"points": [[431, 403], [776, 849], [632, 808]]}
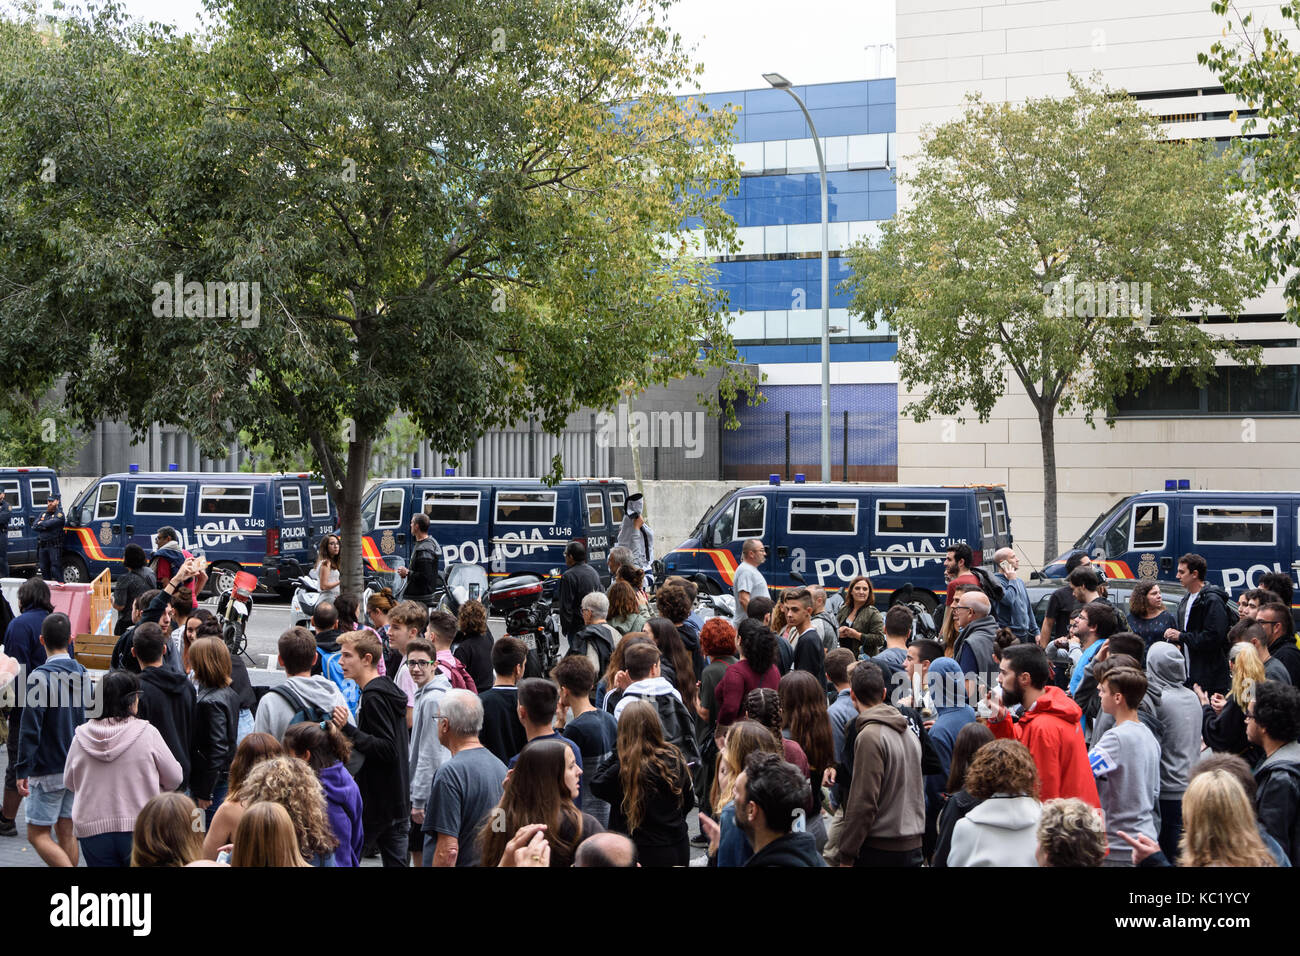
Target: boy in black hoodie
{"points": [[380, 734], [770, 795], [167, 698]]}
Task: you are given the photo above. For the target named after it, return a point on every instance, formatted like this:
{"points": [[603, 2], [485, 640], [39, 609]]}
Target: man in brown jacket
{"points": [[884, 816]]}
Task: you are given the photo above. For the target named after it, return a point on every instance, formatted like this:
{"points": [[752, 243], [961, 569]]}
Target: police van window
{"points": [[1148, 526], [40, 492], [1242, 525], [160, 499], [751, 514], [986, 519], [227, 502], [1000, 516], [452, 507], [291, 501], [106, 501], [320, 501], [616, 499], [526, 507], [390, 508], [911, 518], [812, 516], [13, 494], [595, 509]]}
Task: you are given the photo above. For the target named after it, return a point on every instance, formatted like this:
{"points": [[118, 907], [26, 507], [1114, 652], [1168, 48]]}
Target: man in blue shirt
{"points": [[1013, 610]]}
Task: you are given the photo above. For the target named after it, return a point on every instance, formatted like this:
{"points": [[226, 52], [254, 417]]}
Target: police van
{"points": [[27, 490], [266, 524], [508, 525], [1241, 535], [830, 533]]}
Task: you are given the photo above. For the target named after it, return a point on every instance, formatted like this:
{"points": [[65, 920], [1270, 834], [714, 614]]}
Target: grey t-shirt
{"points": [[464, 791], [1126, 763], [1274, 669], [748, 578]]}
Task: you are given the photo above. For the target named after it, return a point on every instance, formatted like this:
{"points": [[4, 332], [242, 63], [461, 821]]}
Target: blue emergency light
{"points": [[171, 466], [1171, 484], [773, 479], [798, 479], [416, 473], [449, 472], [1184, 484], [134, 469]]}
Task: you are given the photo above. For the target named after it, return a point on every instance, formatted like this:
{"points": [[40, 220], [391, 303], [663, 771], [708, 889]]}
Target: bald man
{"points": [[606, 849], [973, 650], [1014, 610]]}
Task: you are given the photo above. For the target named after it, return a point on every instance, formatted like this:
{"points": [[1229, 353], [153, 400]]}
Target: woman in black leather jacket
{"points": [[216, 724]]}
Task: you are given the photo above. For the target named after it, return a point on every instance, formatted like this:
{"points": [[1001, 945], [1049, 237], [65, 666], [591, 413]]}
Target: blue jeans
{"points": [[218, 797], [245, 726], [107, 849]]}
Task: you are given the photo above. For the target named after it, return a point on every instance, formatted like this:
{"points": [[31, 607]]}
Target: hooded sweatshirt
{"points": [[947, 690], [885, 809], [274, 712], [427, 754], [168, 700], [793, 849], [115, 767], [1000, 831], [1051, 731], [1179, 710], [381, 735], [343, 804]]}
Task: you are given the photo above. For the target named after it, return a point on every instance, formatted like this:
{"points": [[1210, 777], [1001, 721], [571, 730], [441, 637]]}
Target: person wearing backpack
{"points": [[441, 633], [303, 697], [1202, 628], [641, 661], [597, 638]]}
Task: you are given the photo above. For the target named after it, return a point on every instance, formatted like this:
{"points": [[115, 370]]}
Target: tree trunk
{"points": [[349, 505], [1047, 431], [634, 445]]}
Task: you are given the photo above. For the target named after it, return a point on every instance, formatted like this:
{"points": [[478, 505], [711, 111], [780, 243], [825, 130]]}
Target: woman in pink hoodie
{"points": [[116, 764]]}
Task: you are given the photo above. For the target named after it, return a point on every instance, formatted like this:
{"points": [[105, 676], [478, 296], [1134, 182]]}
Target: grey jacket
{"points": [[427, 753], [1179, 711]]}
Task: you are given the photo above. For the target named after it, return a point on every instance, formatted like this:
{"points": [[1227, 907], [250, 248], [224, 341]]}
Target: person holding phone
{"points": [[1014, 610]]}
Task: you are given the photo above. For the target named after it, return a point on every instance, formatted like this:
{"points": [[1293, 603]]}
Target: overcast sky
{"points": [[810, 41]]}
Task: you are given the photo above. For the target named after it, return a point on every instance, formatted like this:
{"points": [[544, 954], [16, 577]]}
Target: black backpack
{"points": [[304, 712], [1229, 605], [991, 588], [679, 728]]}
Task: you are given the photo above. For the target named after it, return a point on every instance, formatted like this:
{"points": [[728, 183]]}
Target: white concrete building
{"points": [[1010, 51]]}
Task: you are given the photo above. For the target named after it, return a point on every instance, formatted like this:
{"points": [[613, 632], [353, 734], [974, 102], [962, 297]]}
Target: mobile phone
{"points": [[1005, 566]]}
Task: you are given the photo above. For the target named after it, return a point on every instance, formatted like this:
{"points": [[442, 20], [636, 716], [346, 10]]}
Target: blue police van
{"points": [[830, 533], [267, 524], [1241, 535], [509, 526], [27, 490]]}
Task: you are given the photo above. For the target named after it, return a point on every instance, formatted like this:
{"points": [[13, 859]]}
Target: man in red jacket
{"points": [[1049, 725]]}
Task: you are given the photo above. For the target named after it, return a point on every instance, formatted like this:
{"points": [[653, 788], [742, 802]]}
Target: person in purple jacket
{"points": [[326, 751]]}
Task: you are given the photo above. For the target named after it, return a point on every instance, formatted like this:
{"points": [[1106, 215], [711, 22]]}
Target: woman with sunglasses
{"points": [[116, 764]]}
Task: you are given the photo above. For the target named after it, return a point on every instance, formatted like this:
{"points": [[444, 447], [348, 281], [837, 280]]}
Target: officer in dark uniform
{"points": [[4, 535], [49, 541]]}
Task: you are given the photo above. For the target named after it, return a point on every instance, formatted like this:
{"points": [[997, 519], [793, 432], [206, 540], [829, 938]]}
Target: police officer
{"points": [[4, 535], [423, 572], [49, 541]]}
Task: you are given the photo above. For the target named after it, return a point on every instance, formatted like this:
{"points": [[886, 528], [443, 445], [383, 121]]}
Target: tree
{"points": [[1027, 225], [461, 210], [1260, 67], [36, 430]]}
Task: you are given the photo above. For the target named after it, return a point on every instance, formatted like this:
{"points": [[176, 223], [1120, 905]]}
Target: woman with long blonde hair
{"points": [[1224, 727], [265, 837], [647, 785], [165, 834], [1219, 826]]}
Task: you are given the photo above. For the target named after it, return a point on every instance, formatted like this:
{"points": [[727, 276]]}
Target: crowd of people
{"points": [[804, 733]]}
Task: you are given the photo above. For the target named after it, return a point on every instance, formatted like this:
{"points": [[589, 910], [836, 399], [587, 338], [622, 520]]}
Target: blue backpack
{"points": [[331, 668]]}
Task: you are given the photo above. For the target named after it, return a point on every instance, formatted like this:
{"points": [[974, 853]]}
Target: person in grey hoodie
{"points": [[1179, 712], [1002, 829], [1274, 727], [427, 753], [302, 693]]}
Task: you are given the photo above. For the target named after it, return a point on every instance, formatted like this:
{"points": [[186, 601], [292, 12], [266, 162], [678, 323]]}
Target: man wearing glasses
{"points": [[427, 753], [1273, 724], [973, 650], [749, 582], [1279, 636]]}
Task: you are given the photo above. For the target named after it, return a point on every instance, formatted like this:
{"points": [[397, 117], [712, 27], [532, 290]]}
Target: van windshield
{"points": [[1100, 523], [709, 514], [368, 508]]}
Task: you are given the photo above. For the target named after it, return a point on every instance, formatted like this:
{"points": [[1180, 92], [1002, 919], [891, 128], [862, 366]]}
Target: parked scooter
{"points": [[307, 593]]}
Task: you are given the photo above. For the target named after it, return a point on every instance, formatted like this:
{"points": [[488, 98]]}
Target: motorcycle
{"points": [[923, 625], [234, 608], [538, 626], [709, 605]]}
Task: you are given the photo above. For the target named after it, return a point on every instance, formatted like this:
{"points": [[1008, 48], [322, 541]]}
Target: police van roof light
{"points": [[134, 469], [416, 473], [1171, 484], [773, 479], [799, 479], [1184, 484], [449, 472], [171, 466]]}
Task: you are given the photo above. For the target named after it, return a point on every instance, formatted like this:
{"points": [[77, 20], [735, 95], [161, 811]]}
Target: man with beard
{"points": [[1049, 725], [770, 794]]}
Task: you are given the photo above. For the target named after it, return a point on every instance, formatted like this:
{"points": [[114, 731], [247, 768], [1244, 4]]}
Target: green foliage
{"points": [[1258, 64], [36, 432], [1009, 203]]}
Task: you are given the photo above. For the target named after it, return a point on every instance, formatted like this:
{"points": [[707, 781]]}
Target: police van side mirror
{"points": [[85, 517]]}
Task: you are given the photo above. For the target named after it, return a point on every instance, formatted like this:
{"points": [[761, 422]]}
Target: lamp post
{"points": [[781, 83]]}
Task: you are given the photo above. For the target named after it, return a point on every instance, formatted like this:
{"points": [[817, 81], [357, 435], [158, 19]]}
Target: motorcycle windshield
{"points": [[471, 577]]}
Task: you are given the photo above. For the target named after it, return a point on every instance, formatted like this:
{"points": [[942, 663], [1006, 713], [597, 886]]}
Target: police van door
{"points": [[746, 518], [458, 523], [391, 526], [1140, 543], [21, 537], [1239, 539], [596, 528], [295, 531]]}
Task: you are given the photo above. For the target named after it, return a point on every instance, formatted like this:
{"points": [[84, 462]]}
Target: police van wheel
{"points": [[74, 570]]}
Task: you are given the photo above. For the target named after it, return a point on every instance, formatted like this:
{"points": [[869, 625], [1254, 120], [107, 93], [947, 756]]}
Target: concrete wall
{"points": [[674, 507]]}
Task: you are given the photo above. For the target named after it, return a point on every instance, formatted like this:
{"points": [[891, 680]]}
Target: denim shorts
{"points": [[46, 807]]}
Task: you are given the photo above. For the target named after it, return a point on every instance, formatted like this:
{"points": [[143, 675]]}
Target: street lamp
{"points": [[781, 83]]}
